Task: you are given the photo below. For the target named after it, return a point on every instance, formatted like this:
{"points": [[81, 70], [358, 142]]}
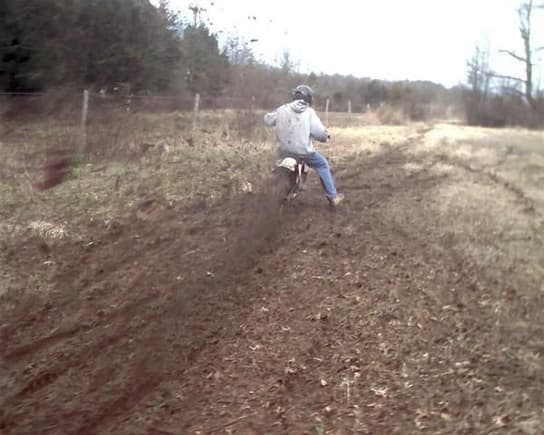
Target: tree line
{"points": [[136, 47], [133, 46], [99, 43]]}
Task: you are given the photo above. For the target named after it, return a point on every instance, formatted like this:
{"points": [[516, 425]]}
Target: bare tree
{"points": [[525, 14], [479, 76], [478, 71]]}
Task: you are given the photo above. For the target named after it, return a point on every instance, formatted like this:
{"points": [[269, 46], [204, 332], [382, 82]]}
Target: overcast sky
{"points": [[383, 39]]}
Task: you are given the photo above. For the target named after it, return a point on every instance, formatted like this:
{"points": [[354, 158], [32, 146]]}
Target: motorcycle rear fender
{"points": [[287, 163], [290, 163]]}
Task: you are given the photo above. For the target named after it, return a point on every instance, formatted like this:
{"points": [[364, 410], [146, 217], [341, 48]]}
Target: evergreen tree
{"points": [[206, 68], [87, 42]]}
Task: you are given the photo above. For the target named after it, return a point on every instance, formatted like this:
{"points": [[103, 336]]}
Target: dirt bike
{"points": [[291, 173]]}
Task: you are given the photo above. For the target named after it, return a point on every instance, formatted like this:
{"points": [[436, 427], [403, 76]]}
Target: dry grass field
{"points": [[154, 291]]}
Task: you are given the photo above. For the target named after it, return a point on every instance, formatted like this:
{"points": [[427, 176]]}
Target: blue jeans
{"points": [[318, 162]]}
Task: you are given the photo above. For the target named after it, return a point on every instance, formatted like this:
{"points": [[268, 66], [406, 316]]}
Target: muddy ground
{"points": [[191, 318]]}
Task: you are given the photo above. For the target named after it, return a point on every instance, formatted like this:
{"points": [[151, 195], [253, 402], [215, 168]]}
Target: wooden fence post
{"points": [[327, 103], [83, 125], [195, 109], [349, 106]]}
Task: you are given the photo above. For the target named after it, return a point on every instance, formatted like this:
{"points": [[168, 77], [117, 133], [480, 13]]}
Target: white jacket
{"points": [[296, 126]]}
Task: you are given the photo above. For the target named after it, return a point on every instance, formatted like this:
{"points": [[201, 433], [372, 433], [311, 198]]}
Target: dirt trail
{"points": [[227, 320]]}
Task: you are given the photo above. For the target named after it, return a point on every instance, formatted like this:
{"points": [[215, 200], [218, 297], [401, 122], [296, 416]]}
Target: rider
{"points": [[297, 125]]}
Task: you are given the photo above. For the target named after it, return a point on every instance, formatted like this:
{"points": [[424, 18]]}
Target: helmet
{"points": [[303, 92]]}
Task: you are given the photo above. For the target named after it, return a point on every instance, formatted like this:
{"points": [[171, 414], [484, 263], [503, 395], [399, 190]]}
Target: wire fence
{"points": [[21, 105], [92, 124], [67, 104]]}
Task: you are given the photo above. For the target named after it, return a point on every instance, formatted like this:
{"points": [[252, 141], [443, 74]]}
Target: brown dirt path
{"points": [[225, 320]]}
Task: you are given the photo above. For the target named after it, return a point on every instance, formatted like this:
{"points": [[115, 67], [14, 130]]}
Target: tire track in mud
{"points": [[121, 405], [35, 346], [81, 280], [99, 361], [528, 202], [76, 360], [84, 419]]}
